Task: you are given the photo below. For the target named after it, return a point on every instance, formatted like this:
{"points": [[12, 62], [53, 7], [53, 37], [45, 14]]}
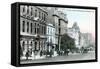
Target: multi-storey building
{"points": [[59, 22], [33, 20], [87, 40], [50, 37], [74, 33]]}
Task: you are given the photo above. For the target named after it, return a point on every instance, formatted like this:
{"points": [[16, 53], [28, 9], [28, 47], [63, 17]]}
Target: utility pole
{"points": [[59, 36]]}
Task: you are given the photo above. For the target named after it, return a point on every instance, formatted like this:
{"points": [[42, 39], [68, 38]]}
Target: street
{"points": [[71, 57]]}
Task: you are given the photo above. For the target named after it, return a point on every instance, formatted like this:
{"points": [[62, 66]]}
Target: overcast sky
{"points": [[85, 19]]}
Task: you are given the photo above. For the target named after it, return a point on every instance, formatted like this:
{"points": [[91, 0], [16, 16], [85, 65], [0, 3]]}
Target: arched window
{"points": [[31, 11], [27, 10], [39, 14], [35, 13]]}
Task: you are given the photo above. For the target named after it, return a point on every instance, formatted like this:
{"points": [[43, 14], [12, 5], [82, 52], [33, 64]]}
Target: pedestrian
{"points": [[51, 52], [67, 52], [41, 53], [27, 55]]}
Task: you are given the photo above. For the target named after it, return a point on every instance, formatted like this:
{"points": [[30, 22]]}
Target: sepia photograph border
{"points": [[17, 33]]}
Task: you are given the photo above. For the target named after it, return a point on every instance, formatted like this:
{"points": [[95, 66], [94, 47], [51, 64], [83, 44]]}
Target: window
{"points": [[31, 43], [51, 31], [23, 26], [31, 11], [23, 45], [23, 9], [42, 29], [27, 26], [35, 13], [39, 15], [35, 45], [38, 29], [27, 10], [31, 27], [39, 45], [48, 30], [35, 28], [45, 29], [42, 15]]}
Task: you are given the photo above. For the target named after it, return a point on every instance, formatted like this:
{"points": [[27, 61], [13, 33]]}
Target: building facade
{"points": [[87, 40], [60, 22], [33, 20], [50, 37], [74, 33]]}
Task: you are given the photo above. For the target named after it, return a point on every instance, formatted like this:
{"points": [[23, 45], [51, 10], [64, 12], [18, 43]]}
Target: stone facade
{"points": [[60, 22], [50, 37], [33, 22]]}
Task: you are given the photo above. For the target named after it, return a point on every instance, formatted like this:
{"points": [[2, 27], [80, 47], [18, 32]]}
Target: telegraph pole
{"points": [[59, 37]]}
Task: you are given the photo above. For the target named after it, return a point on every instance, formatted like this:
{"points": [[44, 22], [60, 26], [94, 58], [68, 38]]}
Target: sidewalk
{"points": [[33, 57], [74, 53]]}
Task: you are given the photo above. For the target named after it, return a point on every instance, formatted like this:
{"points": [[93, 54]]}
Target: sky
{"points": [[85, 19]]}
